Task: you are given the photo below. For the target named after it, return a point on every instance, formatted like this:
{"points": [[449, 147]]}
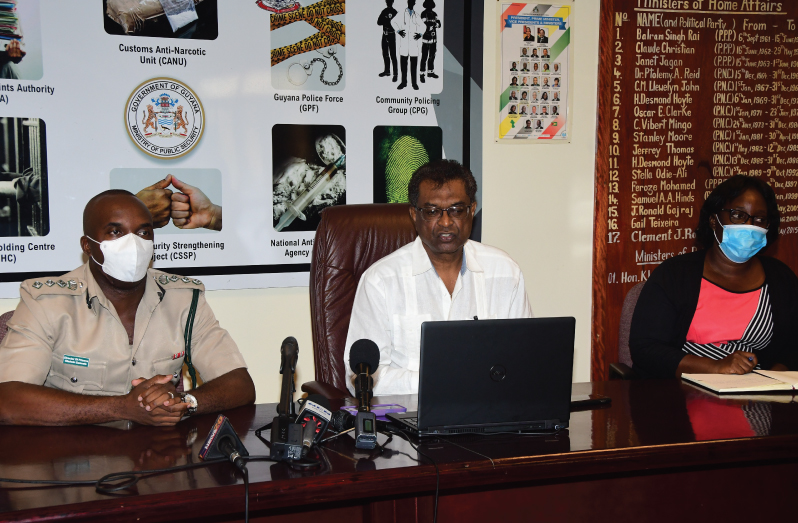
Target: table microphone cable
{"points": [[117, 481], [445, 440], [401, 434], [104, 485], [132, 477]]}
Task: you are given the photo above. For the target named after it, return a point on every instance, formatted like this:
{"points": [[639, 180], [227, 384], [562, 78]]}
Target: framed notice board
{"points": [[691, 92]]}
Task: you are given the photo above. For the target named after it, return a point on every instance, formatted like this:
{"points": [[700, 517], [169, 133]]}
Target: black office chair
{"points": [[623, 368]]}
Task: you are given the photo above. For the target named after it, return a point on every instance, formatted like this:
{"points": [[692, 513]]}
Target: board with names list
{"points": [[691, 92]]}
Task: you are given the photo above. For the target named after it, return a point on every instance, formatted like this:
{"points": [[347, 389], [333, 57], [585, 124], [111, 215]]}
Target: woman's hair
{"points": [[728, 191]]}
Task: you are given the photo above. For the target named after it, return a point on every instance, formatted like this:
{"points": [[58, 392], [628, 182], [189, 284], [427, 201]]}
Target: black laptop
{"points": [[482, 376]]}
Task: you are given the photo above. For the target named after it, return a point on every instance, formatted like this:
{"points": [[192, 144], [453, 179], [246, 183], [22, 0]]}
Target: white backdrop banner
{"points": [[236, 122]]}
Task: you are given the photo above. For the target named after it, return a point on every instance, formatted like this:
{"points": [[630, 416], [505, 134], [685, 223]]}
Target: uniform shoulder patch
{"points": [[172, 281], [63, 285]]}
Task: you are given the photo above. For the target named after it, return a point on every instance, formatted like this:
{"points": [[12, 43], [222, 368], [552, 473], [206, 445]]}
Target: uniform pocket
{"points": [[76, 374], [407, 340], [169, 366]]}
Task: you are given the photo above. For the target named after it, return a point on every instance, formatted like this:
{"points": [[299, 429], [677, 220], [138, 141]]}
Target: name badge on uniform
{"points": [[76, 360]]}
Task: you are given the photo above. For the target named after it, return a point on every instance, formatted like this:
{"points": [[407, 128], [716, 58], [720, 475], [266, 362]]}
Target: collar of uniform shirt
{"points": [[93, 290], [151, 298], [422, 263]]}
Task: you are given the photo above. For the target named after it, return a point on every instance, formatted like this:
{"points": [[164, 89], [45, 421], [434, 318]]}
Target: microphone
{"points": [[341, 421], [228, 447], [289, 352], [314, 416], [286, 434], [308, 433], [223, 442], [364, 357]]}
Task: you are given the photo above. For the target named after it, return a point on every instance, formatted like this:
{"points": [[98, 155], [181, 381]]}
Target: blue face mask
{"points": [[741, 242]]}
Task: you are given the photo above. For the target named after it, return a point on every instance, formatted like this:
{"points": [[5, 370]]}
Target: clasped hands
{"points": [[188, 209], [154, 401]]}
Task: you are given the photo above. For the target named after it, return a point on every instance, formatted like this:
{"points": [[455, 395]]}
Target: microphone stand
{"points": [[286, 434], [365, 421]]}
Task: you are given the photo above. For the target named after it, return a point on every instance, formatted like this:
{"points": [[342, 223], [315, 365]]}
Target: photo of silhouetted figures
{"points": [[409, 41], [188, 19], [23, 180]]}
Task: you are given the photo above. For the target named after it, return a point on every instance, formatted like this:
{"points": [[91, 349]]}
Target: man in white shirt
{"points": [[440, 276]]}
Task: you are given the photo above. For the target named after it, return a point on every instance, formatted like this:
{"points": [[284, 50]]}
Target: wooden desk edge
{"points": [[316, 490]]}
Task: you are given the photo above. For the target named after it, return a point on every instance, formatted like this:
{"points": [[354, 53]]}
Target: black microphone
{"points": [[289, 352], [286, 437], [223, 442], [228, 448], [364, 356], [342, 421]]}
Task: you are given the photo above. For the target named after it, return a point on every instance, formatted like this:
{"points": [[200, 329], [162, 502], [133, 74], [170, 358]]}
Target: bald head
{"points": [[98, 208], [111, 215]]}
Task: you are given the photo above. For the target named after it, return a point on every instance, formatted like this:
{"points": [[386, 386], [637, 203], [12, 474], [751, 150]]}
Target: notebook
{"points": [[483, 376], [756, 381]]}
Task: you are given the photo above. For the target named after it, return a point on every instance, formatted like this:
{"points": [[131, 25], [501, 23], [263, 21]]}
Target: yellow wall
{"points": [[538, 201]]}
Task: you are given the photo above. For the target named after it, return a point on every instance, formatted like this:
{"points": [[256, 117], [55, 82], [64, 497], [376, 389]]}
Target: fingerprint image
{"points": [[398, 152], [406, 155]]}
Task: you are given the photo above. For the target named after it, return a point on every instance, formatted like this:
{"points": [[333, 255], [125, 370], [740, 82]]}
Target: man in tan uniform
{"points": [[105, 342]]}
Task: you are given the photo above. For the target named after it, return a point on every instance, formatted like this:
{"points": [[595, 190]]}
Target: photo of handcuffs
{"points": [[299, 72]]}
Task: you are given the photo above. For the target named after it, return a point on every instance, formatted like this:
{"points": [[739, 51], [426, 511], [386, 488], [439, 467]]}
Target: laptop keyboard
{"points": [[412, 421]]}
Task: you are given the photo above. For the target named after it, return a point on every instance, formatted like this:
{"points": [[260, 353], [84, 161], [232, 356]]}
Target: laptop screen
{"points": [[495, 371]]}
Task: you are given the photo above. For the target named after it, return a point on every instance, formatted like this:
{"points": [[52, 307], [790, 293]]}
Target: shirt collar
{"points": [[94, 295], [471, 258], [153, 293], [422, 263]]}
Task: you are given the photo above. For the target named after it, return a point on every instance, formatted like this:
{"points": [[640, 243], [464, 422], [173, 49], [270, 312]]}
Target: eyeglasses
{"points": [[738, 217], [455, 212]]}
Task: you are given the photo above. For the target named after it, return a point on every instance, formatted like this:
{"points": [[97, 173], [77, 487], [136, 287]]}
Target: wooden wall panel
{"points": [[690, 93]]}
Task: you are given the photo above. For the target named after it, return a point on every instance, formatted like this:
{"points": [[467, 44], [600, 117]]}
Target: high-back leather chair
{"points": [[623, 369], [349, 239]]}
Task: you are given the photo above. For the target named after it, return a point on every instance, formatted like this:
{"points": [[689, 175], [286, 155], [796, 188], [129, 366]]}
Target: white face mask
{"points": [[126, 258]]}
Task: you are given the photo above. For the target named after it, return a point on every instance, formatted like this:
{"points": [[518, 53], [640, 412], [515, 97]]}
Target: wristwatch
{"points": [[185, 397]]}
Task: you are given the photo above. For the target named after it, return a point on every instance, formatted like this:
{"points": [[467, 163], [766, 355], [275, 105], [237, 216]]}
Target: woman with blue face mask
{"points": [[723, 309]]}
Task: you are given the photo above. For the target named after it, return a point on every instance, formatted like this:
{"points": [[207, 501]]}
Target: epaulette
{"points": [[172, 281], [58, 286]]}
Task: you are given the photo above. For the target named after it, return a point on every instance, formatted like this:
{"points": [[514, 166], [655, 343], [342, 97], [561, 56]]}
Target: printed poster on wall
{"points": [[533, 70], [237, 123]]}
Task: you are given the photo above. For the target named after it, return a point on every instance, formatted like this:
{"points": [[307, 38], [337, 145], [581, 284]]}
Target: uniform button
{"points": [[134, 362], [73, 379]]}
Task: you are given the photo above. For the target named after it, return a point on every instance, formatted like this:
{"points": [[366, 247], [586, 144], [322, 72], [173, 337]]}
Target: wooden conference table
{"points": [[663, 450]]}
